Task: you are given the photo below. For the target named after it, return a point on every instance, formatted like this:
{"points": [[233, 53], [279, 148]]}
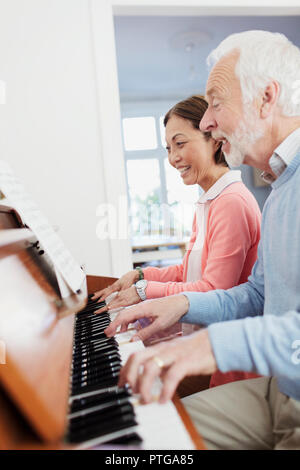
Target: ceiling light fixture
{"points": [[187, 42]]}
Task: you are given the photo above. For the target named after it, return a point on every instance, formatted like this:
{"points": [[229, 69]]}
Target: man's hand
{"points": [[122, 299], [123, 283], [162, 314], [171, 361]]}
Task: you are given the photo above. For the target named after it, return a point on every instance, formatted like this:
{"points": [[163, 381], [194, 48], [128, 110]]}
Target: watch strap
{"points": [[140, 271]]}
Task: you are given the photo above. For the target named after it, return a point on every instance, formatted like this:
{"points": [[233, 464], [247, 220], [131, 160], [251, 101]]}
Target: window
{"points": [[144, 193], [162, 131], [139, 133]]}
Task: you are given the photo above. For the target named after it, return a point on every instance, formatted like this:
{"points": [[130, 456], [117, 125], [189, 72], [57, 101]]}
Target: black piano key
{"points": [[90, 328], [79, 355], [106, 379], [89, 332], [108, 347], [87, 402], [97, 359], [100, 408], [90, 307], [86, 341], [113, 381], [91, 301], [83, 371], [97, 430], [109, 414], [89, 315], [103, 408], [94, 362], [96, 370], [95, 365], [92, 319], [99, 424], [130, 439], [89, 346], [90, 310], [92, 322], [95, 373], [96, 377], [92, 346]]}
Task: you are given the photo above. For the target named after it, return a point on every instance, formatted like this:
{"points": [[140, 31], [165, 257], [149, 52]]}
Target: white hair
{"points": [[264, 56]]}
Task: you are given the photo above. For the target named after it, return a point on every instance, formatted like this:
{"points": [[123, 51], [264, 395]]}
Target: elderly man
{"points": [[254, 108]]}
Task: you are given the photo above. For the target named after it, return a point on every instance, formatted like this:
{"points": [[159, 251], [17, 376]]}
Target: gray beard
{"points": [[242, 139]]}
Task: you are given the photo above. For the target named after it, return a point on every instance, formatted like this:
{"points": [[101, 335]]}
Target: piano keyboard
{"points": [[99, 411]]}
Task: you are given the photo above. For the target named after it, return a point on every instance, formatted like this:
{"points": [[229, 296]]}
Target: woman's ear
{"points": [[269, 99]]}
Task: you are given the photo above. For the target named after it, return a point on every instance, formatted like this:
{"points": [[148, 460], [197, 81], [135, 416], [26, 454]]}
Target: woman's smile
{"points": [[183, 170]]}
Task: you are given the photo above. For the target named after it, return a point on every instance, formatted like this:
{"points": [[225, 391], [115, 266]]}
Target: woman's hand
{"points": [[122, 299], [171, 361], [123, 283], [162, 314]]}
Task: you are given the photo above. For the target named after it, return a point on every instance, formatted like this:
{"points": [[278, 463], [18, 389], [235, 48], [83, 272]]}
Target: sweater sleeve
{"points": [[268, 345], [231, 230], [170, 273]]}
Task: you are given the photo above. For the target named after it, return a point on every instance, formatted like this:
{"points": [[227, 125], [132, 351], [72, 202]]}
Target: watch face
{"points": [[141, 284]]}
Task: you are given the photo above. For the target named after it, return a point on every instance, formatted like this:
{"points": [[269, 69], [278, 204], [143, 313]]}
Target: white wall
{"points": [[49, 126]]}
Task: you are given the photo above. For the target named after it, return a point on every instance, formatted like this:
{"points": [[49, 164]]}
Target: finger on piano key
{"points": [[122, 321], [124, 337], [110, 309], [101, 310], [138, 365], [107, 308], [107, 293]]}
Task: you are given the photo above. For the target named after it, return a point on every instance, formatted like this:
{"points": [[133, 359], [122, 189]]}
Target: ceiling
{"points": [[161, 57]]}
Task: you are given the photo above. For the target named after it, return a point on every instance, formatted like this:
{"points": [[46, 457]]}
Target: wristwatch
{"points": [[141, 289]]}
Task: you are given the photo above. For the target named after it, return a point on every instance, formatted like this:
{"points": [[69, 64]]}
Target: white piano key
{"points": [[159, 425]]}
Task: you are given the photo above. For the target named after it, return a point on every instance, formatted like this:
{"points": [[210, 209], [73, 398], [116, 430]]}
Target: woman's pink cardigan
{"points": [[229, 250]]}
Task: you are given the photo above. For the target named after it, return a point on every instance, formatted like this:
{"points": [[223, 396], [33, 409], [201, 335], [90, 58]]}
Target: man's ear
{"points": [[269, 99]]}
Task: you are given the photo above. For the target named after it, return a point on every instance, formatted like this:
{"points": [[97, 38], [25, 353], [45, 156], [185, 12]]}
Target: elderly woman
{"points": [[226, 226]]}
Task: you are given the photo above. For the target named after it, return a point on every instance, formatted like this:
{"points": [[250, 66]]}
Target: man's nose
{"points": [[207, 123]]}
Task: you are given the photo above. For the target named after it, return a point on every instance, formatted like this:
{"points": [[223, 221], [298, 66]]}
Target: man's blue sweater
{"points": [[255, 327]]}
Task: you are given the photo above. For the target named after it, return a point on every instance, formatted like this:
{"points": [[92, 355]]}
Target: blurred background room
{"points": [[87, 85]]}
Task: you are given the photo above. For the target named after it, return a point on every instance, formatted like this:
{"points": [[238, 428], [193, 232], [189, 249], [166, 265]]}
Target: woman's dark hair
{"points": [[193, 109]]}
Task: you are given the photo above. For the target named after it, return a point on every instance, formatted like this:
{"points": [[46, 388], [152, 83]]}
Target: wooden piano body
{"points": [[34, 381]]}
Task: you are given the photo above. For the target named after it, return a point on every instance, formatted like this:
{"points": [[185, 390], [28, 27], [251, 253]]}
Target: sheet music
{"points": [[60, 256]]}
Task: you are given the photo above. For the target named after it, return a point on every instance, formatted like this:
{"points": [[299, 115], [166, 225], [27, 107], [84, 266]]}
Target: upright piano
{"points": [[58, 372]]}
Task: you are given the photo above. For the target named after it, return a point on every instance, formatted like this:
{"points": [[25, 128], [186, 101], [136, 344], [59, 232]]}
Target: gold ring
{"points": [[158, 361]]}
